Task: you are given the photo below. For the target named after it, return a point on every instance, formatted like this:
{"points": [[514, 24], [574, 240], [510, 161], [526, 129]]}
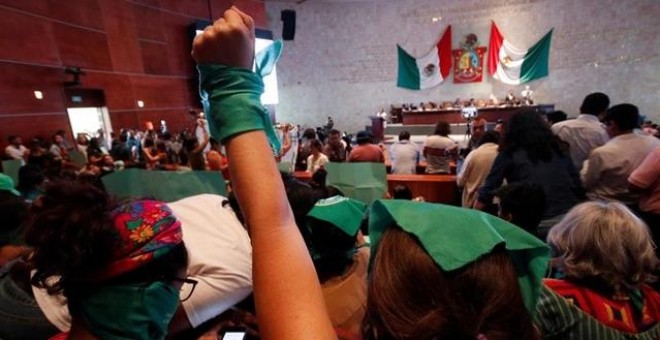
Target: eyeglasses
{"points": [[187, 288]]}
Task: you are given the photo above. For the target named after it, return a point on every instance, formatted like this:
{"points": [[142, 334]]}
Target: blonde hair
{"points": [[604, 242]]}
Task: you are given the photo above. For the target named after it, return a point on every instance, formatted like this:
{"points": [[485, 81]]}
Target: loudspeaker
{"points": [[288, 24]]}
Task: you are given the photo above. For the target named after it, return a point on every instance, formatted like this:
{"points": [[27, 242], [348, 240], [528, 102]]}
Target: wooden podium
{"points": [[377, 128]]}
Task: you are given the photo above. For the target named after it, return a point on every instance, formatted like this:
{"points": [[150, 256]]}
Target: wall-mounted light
{"points": [[140, 104], [436, 19], [39, 95]]}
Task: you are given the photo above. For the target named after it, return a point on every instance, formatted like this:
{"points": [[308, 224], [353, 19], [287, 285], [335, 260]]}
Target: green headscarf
{"points": [[342, 212], [455, 237], [130, 311]]}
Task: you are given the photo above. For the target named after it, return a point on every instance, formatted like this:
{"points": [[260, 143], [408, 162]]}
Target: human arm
{"points": [[493, 181], [464, 174], [591, 170], [286, 139], [646, 174], [288, 295], [204, 143]]}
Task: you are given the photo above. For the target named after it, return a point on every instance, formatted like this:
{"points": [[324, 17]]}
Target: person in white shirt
{"points": [[476, 167], [439, 150], [605, 173], [16, 149], [405, 155], [220, 260], [317, 159], [585, 132]]}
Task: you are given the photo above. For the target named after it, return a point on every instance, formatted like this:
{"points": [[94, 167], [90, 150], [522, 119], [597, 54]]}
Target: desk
{"points": [[434, 188], [454, 116]]}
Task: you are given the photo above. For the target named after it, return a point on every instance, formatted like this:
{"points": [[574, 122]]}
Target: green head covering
{"points": [[455, 237], [342, 212]]}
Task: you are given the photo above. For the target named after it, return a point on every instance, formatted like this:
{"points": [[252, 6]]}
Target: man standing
{"points": [[477, 166], [605, 173], [585, 132], [477, 130], [405, 155]]}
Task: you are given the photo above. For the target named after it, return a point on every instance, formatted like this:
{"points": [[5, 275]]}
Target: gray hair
{"points": [[606, 243]]}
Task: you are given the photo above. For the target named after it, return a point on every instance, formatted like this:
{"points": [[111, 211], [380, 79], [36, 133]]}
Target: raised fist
{"points": [[229, 41]]}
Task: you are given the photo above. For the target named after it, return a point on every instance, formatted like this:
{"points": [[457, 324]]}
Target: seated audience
{"points": [[555, 117], [16, 149], [584, 133], [335, 147], [405, 155], [289, 299], [606, 171], [605, 258], [530, 153], [119, 266], [522, 204], [317, 159], [30, 181], [366, 151], [333, 225], [439, 150], [646, 181], [94, 151], [476, 167]]}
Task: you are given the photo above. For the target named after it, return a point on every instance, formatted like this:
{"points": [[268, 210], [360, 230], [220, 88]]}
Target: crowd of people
{"points": [[568, 258]]}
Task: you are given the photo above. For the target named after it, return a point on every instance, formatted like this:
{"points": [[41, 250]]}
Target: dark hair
{"points": [[12, 138], [13, 210], [309, 133], [405, 284], [490, 137], [190, 143], [595, 103], [404, 135], [525, 202], [71, 230], [556, 116], [526, 130], [149, 143], [331, 248], [214, 142], [316, 144], [402, 192], [334, 132], [442, 129], [29, 177], [626, 116], [318, 178]]}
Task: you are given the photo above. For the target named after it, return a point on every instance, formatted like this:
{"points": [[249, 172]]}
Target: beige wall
{"points": [[343, 59]]}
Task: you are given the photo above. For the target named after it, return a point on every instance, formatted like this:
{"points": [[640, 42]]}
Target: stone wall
{"points": [[343, 61]]}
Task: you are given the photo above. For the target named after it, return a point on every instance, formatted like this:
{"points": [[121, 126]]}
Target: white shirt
{"points": [[15, 153], [220, 259], [313, 165], [582, 134], [605, 173], [405, 156], [475, 169]]}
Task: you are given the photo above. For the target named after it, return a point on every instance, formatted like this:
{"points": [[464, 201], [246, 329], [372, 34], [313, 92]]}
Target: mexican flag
{"points": [[426, 71], [515, 66]]}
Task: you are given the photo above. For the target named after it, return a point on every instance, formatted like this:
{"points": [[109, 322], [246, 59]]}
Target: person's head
{"points": [[58, 139], [435, 264], [402, 192], [309, 134], [603, 245], [489, 137], [363, 137], [102, 254], [404, 135], [334, 137], [215, 145], [478, 127], [149, 143], [30, 177], [82, 139], [556, 117], [528, 131], [94, 143], [442, 129], [13, 210], [621, 119], [315, 146], [522, 204], [15, 140], [595, 104]]}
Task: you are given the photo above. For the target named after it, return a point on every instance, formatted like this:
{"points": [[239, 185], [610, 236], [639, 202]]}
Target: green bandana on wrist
{"points": [[455, 237], [344, 213]]}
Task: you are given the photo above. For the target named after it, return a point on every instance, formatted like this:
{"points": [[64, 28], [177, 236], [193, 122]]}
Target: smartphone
{"points": [[234, 333]]}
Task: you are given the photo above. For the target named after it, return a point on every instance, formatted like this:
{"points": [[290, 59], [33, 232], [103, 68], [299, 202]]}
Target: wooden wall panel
{"points": [[179, 44], [86, 13], [154, 57], [149, 23], [19, 83], [26, 38], [177, 119], [121, 32], [82, 48], [118, 89], [255, 8], [124, 120], [39, 7], [160, 92], [28, 127], [193, 8]]}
